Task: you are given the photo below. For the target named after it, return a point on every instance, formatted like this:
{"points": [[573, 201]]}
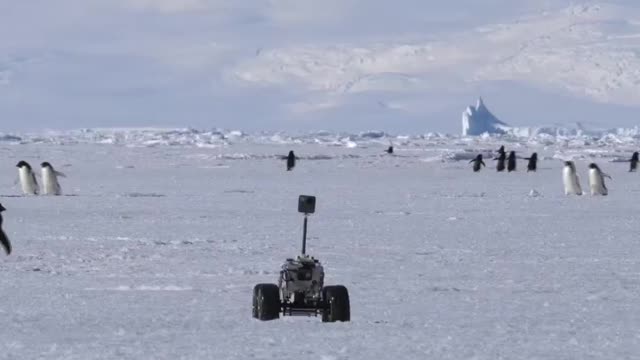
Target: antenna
{"points": [[306, 205], [304, 235]]}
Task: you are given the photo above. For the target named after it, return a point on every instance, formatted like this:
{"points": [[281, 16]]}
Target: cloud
{"points": [[305, 11], [166, 6]]}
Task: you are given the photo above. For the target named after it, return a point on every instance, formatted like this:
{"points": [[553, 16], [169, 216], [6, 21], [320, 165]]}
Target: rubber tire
{"points": [[266, 302], [337, 308], [254, 308]]}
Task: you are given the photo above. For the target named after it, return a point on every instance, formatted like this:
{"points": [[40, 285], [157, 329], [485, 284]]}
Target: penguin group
{"points": [[51, 186], [29, 184], [291, 158], [506, 162], [570, 178]]}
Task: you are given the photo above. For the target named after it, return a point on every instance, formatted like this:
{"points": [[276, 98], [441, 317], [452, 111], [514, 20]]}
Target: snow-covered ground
{"points": [[154, 252]]}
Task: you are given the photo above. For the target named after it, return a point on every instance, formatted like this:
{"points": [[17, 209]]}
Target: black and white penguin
{"points": [[50, 184], [502, 156], [477, 163], [291, 161], [511, 161], [389, 149], [570, 179], [4, 240], [634, 162], [596, 180], [27, 177], [533, 162]]}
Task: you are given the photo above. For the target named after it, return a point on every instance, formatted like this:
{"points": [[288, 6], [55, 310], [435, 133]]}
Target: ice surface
{"points": [[156, 254], [578, 136]]}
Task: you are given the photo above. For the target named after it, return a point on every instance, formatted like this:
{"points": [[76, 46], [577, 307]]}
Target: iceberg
{"points": [[479, 120]]}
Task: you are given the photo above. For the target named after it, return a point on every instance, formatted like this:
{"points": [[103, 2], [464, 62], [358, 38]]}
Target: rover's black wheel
{"points": [[266, 302], [255, 302], [336, 300]]}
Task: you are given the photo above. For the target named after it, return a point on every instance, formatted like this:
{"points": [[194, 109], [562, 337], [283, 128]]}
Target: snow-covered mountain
{"points": [[299, 65]]}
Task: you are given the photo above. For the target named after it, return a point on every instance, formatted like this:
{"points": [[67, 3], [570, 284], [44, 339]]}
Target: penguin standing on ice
{"points": [[533, 162], [511, 161], [502, 156], [27, 178], [291, 161], [570, 179], [634, 162], [50, 184], [477, 163], [389, 150], [4, 240], [596, 180]]}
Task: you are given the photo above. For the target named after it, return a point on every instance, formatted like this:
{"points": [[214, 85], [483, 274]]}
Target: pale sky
{"points": [[398, 66]]}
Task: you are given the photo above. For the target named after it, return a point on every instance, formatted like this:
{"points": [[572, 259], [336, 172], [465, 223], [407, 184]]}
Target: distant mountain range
{"points": [[307, 65]]}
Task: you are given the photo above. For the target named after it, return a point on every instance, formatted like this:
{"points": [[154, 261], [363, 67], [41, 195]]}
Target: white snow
{"points": [[534, 193], [156, 252], [225, 144]]}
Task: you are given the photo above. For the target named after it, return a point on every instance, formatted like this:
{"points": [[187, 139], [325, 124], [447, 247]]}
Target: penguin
{"points": [[596, 180], [533, 162], [291, 161], [501, 158], [634, 162], [4, 240], [571, 179], [389, 150], [27, 178], [50, 185], [477, 163], [511, 161]]}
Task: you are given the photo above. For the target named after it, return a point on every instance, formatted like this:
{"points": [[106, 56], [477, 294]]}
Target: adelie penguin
{"points": [[389, 150], [570, 179], [511, 161], [50, 184], [291, 161], [633, 162], [27, 178], [533, 162], [596, 180], [4, 240], [502, 156], [477, 163]]}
